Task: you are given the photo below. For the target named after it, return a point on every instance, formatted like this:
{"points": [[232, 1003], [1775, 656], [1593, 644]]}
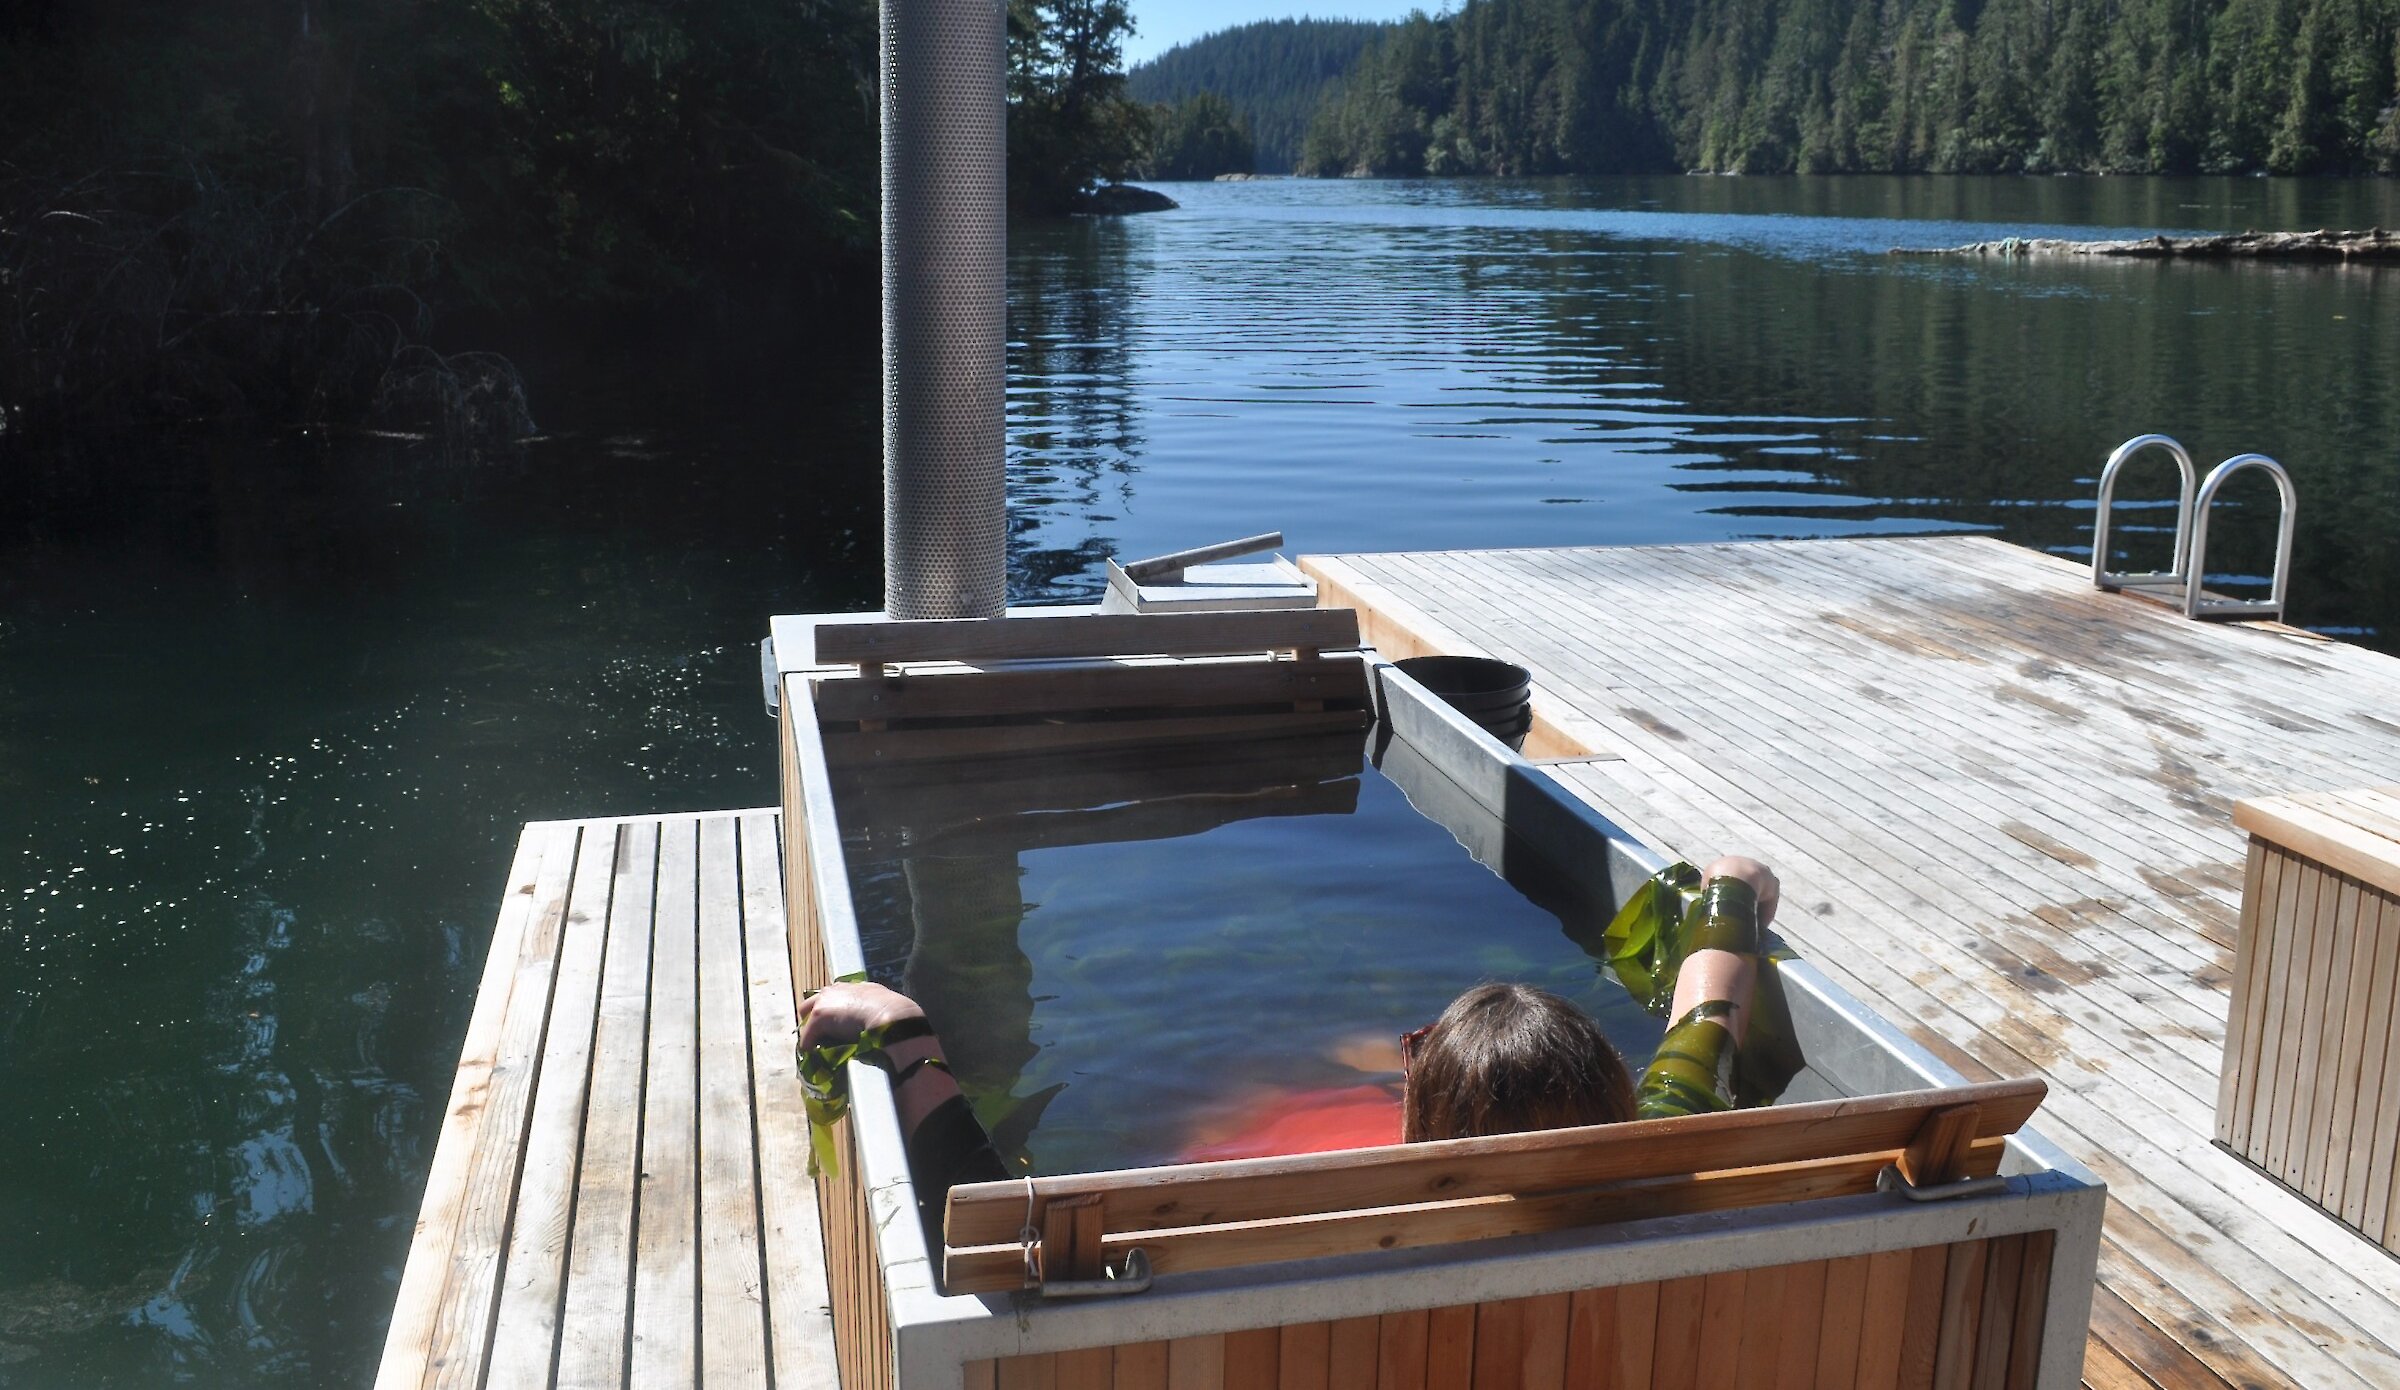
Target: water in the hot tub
{"points": [[1129, 966]]}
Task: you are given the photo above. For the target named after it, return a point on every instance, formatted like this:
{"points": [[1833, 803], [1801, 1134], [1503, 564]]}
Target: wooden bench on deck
{"points": [[1968, 1313]]}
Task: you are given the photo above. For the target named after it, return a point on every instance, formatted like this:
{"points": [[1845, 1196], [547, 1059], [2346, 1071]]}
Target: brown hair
{"points": [[1503, 1059]]}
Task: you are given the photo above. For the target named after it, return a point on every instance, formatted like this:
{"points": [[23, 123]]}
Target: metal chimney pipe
{"points": [[945, 301]]}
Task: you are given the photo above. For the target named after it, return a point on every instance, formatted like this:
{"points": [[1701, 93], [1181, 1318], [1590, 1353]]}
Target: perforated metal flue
{"points": [[944, 308]]}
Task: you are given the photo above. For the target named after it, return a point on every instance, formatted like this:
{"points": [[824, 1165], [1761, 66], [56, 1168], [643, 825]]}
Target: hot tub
{"points": [[1630, 1255]]}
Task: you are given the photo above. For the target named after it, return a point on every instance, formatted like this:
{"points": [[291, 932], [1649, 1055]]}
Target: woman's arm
{"points": [[946, 1144], [1732, 976]]}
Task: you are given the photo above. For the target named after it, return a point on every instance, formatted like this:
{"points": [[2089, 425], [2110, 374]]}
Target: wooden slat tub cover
{"points": [[619, 1195], [2001, 806]]}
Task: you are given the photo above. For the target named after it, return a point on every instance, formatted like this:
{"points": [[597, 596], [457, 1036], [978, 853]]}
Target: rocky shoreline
{"points": [[2374, 246]]}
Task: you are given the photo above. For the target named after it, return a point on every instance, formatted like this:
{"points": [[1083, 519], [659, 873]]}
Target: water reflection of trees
{"points": [[1073, 420], [1989, 395]]}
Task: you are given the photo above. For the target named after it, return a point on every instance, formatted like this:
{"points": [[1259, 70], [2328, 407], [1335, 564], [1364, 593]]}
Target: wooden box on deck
{"points": [[2310, 1090]]}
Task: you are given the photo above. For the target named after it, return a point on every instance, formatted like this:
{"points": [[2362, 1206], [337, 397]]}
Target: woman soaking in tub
{"points": [[1501, 1059]]}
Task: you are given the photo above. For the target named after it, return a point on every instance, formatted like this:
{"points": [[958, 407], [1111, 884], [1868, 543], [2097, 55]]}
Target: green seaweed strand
{"points": [[825, 1088], [1644, 942]]}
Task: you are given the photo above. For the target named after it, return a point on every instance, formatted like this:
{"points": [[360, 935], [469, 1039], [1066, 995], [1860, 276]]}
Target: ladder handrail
{"points": [[2197, 606], [2179, 571]]}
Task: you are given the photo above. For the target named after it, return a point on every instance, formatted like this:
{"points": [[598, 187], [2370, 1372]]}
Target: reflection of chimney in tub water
{"points": [[967, 968], [945, 237]]}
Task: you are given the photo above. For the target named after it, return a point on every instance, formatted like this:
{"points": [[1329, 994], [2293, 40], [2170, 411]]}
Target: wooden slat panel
{"points": [[2380, 1169], [1303, 1356], [2256, 962], [1500, 1345], [1254, 1357], [733, 1333], [1762, 1329], [1995, 1328], [1087, 635], [2279, 1052], [998, 1268], [2306, 1000], [1724, 1312], [1920, 1336], [983, 1375], [2350, 1030], [1351, 1354], [1090, 1368], [1401, 1350], [1884, 1323], [2329, 998], [1959, 1342], [1803, 1324], [2033, 1299], [1846, 1282], [408, 1344], [460, 1340], [1637, 1333], [1196, 1363], [666, 1271], [1450, 1348], [2240, 1027], [593, 1326], [1545, 1333], [1592, 1336], [1675, 1354], [1029, 1373], [2375, 1078], [1264, 1188], [1142, 1366]]}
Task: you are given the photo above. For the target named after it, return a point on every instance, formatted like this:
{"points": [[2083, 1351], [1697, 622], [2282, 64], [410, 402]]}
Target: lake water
{"points": [[271, 712]]}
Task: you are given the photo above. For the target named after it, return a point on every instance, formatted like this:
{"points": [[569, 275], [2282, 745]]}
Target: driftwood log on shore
{"points": [[2373, 246]]}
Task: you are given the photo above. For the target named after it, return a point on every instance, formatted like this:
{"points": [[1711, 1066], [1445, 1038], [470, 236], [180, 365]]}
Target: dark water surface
{"points": [[272, 710], [1125, 965]]}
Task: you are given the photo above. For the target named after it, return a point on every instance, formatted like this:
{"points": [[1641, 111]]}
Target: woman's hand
{"points": [[839, 1014], [1761, 879]]}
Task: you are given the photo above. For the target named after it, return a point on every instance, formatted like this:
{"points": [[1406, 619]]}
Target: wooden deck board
{"points": [[598, 1215], [2001, 805]]}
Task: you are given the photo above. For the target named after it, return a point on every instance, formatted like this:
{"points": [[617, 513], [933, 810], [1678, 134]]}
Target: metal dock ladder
{"points": [[2189, 566]]}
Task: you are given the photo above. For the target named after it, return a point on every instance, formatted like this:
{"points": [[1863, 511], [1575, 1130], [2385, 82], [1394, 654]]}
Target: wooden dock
{"points": [[619, 1196], [2001, 804]]}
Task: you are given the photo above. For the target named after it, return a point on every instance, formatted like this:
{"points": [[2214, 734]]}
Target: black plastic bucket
{"points": [[1498, 695]]}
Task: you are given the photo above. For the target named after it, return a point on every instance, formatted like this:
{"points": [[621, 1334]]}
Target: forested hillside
{"points": [[1823, 86], [1273, 73]]}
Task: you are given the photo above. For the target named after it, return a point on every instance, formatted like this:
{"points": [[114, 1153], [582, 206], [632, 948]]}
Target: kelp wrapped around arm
{"points": [[1693, 1072], [1671, 917]]}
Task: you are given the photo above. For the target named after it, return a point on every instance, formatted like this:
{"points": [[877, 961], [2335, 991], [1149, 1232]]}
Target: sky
{"points": [[1161, 24]]}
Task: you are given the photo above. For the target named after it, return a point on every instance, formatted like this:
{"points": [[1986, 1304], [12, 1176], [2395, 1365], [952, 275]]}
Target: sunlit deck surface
{"points": [[619, 1196], [2000, 802]]}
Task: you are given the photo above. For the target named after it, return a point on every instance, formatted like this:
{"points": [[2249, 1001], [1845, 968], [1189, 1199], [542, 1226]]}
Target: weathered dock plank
{"points": [[2001, 803], [599, 1213]]}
